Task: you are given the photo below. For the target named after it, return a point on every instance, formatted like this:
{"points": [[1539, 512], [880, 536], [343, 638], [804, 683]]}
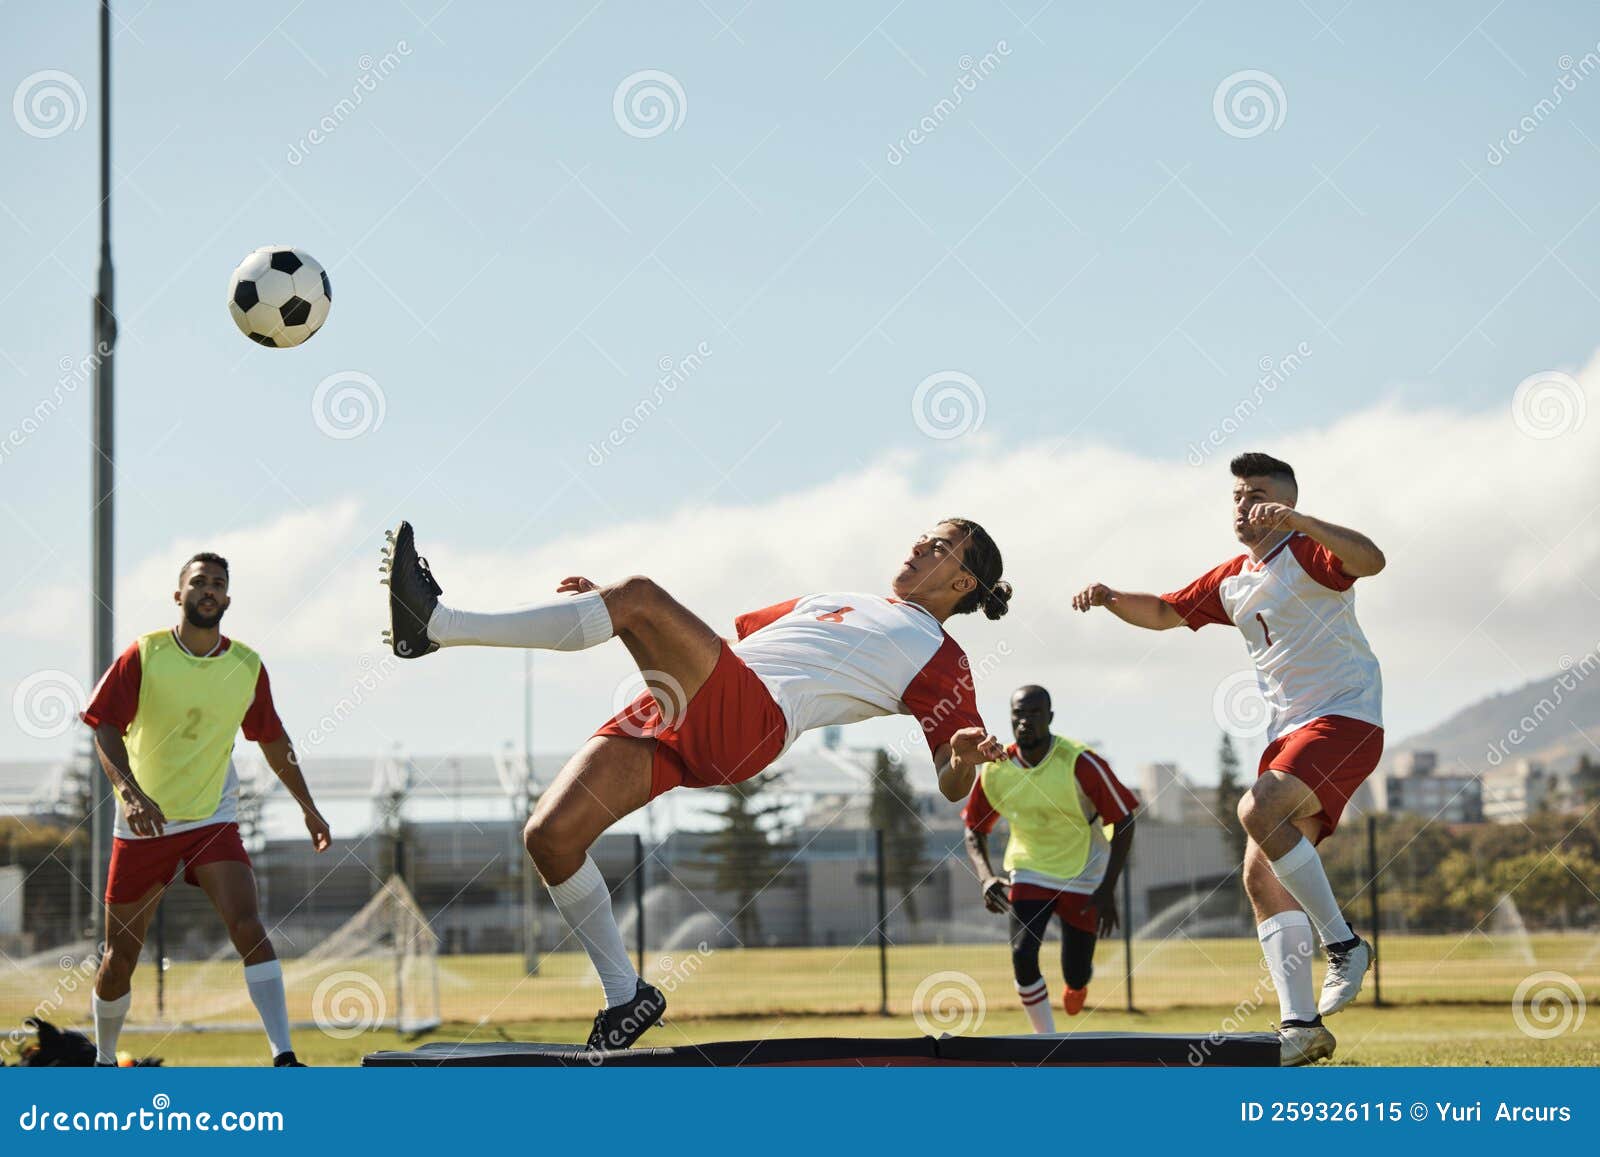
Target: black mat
{"points": [[1083, 1048]]}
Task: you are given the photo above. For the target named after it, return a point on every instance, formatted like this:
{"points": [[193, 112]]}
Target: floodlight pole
{"points": [[105, 338]]}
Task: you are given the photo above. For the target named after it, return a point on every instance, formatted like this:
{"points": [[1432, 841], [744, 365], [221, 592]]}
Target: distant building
{"points": [[1415, 785], [1168, 796], [1518, 790]]}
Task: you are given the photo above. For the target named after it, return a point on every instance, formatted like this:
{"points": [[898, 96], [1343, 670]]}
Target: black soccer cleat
{"points": [[617, 1028], [287, 1061], [413, 594]]}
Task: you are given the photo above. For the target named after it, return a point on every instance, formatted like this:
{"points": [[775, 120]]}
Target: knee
{"points": [[1264, 807], [247, 932], [552, 839], [1025, 961], [117, 965], [633, 595]]}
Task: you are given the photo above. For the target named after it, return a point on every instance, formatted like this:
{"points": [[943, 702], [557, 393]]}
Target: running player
{"points": [[164, 717], [718, 712], [1290, 595], [1057, 796]]}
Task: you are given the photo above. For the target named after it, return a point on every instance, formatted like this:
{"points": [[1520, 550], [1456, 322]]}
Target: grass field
{"points": [[1449, 999]]}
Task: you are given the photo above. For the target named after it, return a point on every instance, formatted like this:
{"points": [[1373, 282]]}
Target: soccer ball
{"points": [[279, 296]]}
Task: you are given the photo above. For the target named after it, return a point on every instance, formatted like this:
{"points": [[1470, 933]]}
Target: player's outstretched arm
{"points": [[958, 760], [145, 816], [285, 765], [1358, 554], [991, 887], [1148, 611]]}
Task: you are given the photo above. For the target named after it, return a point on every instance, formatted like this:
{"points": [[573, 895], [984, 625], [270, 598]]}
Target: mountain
{"points": [[1550, 720]]}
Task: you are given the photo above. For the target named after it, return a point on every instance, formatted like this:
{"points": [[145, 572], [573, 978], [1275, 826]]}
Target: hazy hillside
{"points": [[1546, 719]]}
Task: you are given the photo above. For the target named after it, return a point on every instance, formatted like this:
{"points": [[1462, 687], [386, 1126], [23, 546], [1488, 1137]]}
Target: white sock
{"points": [[108, 1018], [265, 982], [1300, 872], [1286, 941], [1036, 1003], [567, 623], [585, 903]]}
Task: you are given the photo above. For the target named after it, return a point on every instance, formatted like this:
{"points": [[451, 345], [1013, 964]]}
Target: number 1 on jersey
{"points": [[1264, 630]]}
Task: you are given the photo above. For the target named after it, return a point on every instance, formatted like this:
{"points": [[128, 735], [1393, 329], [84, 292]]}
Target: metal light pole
{"points": [[105, 338]]}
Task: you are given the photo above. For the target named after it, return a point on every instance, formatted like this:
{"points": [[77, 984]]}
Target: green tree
{"points": [[1229, 789], [747, 853], [1586, 779], [893, 811]]}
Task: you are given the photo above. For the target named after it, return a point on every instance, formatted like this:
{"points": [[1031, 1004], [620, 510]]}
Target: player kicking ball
{"points": [[1291, 597], [718, 712], [164, 717], [1057, 796]]}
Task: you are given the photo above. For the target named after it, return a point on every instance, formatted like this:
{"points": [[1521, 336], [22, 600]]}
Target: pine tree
{"points": [[1228, 792], [1586, 779], [893, 811], [748, 853]]}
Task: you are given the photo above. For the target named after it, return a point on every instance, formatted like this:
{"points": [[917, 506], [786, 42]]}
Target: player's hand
{"points": [[1270, 516], [994, 894], [321, 836], [1105, 903], [1093, 595], [576, 585], [975, 745], [145, 816]]}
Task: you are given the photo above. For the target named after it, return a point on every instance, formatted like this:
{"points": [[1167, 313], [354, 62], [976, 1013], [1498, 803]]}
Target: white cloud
{"points": [[1492, 537]]}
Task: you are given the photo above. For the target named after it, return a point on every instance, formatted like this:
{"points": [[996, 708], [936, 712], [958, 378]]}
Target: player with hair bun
{"points": [[718, 711]]}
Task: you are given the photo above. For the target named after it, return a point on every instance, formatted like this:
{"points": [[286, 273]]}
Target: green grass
{"points": [[1449, 998]]}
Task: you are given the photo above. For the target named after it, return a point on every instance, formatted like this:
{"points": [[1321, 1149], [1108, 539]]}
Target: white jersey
{"points": [[840, 658], [1296, 610]]}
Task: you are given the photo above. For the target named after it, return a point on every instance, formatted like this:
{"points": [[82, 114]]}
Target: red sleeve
{"points": [[1112, 800], [1200, 603], [750, 622], [942, 696], [1321, 563], [116, 696], [979, 814], [261, 723]]}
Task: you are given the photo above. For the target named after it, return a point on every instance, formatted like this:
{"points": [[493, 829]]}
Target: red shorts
{"points": [[1076, 909], [729, 731], [138, 865], [1332, 756]]}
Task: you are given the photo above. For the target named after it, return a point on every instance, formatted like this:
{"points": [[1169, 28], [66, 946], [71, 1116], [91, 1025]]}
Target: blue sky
{"points": [[1082, 237]]}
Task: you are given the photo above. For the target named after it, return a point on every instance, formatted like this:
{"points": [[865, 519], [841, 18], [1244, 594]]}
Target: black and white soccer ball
{"points": [[279, 296]]}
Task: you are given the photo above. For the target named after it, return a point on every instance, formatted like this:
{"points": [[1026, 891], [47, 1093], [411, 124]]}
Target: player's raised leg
{"points": [[231, 887], [126, 925], [1030, 920], [1285, 817], [1285, 933]]}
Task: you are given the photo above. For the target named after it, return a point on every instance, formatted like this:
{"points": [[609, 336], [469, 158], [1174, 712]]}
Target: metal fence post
{"points": [[638, 898], [883, 925], [1372, 893], [1127, 927], [161, 961]]}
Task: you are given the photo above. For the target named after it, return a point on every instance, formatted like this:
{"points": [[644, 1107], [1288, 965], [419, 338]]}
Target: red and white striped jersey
{"points": [[1297, 611], [839, 658]]}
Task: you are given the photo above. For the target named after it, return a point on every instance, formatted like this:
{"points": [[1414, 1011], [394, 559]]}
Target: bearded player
{"points": [[1291, 597], [1057, 796], [717, 712], [164, 717]]}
